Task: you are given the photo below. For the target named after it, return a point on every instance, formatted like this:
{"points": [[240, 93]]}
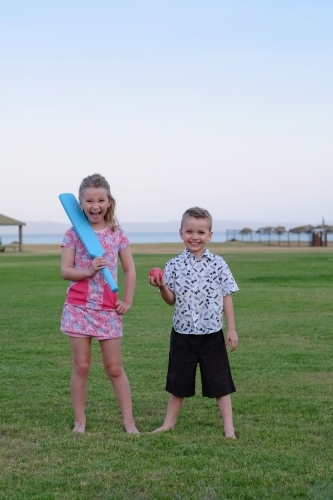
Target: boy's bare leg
{"points": [[111, 352], [81, 366], [225, 407], [174, 406]]}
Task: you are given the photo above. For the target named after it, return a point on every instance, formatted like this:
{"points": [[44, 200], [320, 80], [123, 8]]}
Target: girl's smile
{"points": [[95, 203]]}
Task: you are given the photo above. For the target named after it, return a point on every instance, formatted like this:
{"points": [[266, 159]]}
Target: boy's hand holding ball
{"points": [[155, 277], [156, 272]]}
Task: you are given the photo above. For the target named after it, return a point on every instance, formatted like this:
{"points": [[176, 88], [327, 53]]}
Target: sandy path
{"points": [[176, 248]]}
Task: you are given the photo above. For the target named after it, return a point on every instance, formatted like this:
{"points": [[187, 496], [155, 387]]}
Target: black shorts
{"points": [[209, 351]]}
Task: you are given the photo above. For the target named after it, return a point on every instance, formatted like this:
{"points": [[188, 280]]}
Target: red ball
{"points": [[156, 272]]}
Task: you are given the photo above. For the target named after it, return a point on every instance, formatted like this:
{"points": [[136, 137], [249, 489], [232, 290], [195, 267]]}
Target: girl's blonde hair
{"points": [[97, 181]]}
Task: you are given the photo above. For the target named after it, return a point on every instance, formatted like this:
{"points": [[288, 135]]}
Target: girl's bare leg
{"points": [[81, 357], [173, 409], [111, 352], [225, 407]]}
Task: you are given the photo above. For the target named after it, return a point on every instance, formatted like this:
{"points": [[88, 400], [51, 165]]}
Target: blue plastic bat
{"points": [[86, 233]]}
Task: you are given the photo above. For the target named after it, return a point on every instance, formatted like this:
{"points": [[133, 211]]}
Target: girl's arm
{"points": [[228, 309], [69, 272], [126, 259]]}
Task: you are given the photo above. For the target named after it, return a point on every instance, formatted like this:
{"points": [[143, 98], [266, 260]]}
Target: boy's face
{"points": [[195, 234]]}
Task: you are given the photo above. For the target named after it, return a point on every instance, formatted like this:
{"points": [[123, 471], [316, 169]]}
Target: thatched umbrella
{"points": [[245, 230], [325, 227], [279, 230], [265, 230], [302, 229], [259, 231]]}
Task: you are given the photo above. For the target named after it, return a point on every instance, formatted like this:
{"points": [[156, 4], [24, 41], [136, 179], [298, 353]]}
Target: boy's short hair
{"points": [[198, 213]]}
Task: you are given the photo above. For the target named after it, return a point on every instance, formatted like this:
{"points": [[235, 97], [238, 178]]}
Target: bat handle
{"points": [[109, 279]]}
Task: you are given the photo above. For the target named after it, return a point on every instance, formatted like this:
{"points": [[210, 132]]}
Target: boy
{"points": [[200, 285]]}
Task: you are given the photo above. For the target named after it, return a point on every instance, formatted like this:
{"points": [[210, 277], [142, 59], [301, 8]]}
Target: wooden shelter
{"points": [[8, 221], [319, 235]]}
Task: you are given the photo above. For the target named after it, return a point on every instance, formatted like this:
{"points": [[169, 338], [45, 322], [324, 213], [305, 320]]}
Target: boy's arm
{"points": [[231, 337], [167, 295]]}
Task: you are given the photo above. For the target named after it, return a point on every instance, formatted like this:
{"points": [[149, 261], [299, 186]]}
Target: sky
{"points": [[227, 105]]}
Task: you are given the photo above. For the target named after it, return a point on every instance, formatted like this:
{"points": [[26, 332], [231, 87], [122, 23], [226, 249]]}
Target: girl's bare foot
{"points": [[131, 429], [79, 427], [163, 428], [230, 436]]}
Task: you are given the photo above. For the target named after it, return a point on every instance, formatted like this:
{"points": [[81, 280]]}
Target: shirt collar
{"points": [[206, 255]]}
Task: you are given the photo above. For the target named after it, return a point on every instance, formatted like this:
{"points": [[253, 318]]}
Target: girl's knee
{"points": [[82, 368], [113, 371]]}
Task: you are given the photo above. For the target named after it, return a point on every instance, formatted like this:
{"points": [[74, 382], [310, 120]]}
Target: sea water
{"points": [[171, 237], [56, 239]]}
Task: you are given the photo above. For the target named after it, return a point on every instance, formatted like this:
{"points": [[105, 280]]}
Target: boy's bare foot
{"points": [[163, 428], [131, 429], [79, 427]]}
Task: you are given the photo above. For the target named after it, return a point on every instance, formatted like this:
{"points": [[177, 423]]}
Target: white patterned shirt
{"points": [[199, 286]]}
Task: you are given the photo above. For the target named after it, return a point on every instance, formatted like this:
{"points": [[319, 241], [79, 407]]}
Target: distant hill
{"points": [[37, 227], [218, 225], [50, 227]]}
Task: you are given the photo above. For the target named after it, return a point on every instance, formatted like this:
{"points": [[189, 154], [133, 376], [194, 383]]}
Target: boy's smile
{"points": [[95, 203], [195, 234]]}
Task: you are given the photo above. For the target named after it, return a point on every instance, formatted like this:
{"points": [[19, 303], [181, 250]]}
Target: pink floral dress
{"points": [[89, 309]]}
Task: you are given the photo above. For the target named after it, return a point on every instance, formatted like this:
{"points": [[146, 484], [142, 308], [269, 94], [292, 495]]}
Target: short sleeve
{"points": [[227, 280], [169, 274], [123, 241], [70, 239]]}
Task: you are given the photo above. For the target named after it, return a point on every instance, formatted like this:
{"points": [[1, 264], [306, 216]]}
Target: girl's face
{"points": [[95, 203]]}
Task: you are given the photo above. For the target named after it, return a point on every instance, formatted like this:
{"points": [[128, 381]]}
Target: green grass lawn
{"points": [[282, 408]]}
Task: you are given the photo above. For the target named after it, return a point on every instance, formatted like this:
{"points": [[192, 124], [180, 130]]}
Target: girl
{"points": [[91, 310]]}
